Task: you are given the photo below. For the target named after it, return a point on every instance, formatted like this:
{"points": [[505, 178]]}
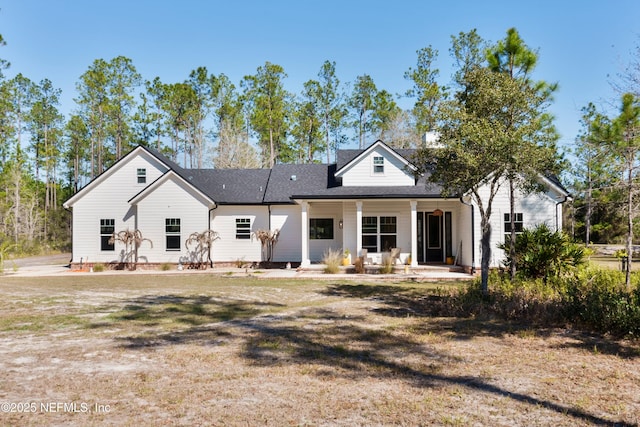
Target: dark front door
{"points": [[430, 237]]}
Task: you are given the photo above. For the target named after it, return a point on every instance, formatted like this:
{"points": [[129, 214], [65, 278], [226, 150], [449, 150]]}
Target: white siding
{"points": [[230, 249], [536, 208], [171, 199], [361, 172], [318, 247], [287, 219], [108, 199]]}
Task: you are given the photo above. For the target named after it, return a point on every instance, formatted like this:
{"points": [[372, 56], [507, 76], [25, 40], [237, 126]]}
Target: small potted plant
{"points": [[407, 263], [346, 259]]}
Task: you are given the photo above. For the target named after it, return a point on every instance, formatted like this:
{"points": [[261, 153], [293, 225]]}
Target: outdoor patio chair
{"points": [[365, 256]]}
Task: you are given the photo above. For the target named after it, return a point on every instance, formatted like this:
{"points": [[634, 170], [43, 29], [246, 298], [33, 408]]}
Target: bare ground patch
{"points": [[175, 350]]}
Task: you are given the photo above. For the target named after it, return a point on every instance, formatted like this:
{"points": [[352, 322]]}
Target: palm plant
{"points": [[268, 240], [132, 240], [202, 242], [542, 253]]}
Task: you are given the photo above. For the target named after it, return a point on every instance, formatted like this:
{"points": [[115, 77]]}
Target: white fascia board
{"points": [[373, 146], [163, 178], [107, 173]]}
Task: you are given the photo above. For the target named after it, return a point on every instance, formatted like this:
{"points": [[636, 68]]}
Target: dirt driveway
{"points": [[216, 350]]}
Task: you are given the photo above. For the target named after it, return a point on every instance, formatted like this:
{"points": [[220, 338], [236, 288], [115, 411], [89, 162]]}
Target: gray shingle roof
{"points": [[422, 189], [289, 179], [286, 182], [231, 186]]}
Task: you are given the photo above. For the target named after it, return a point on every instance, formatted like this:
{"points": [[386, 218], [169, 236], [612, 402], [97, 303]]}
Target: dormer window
{"points": [[142, 175], [378, 164]]}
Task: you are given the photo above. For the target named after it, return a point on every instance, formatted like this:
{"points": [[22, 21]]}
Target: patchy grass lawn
{"points": [[200, 349]]}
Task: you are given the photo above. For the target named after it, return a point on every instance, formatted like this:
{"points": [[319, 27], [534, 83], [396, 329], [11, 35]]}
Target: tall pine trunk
{"points": [[512, 237], [629, 221]]}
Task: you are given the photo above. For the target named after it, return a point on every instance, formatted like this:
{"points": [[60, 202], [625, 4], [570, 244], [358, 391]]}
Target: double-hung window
{"points": [[378, 164], [388, 232], [142, 175], [518, 224], [107, 228], [172, 233], [379, 234], [243, 228], [370, 233]]}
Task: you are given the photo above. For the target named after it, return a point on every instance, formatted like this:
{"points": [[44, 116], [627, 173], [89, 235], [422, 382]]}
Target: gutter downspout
{"points": [[473, 237], [209, 228], [71, 230], [567, 197]]}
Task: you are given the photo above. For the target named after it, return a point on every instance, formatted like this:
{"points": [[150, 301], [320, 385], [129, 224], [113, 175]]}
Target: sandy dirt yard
{"points": [[180, 349]]}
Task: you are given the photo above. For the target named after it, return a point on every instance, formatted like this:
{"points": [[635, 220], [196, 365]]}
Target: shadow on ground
{"points": [[403, 301], [346, 343]]}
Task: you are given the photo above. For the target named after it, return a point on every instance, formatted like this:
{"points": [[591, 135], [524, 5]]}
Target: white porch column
{"points": [[304, 218], [358, 228], [414, 233]]}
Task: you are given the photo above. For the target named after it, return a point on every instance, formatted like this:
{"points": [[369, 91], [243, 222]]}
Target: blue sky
{"points": [[582, 44]]}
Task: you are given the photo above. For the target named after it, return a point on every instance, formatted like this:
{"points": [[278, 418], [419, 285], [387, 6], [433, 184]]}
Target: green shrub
{"points": [[591, 298], [332, 259], [165, 266], [98, 268], [531, 301], [541, 253], [598, 299]]}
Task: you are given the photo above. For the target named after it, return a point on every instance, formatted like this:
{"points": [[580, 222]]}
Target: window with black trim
{"points": [[379, 232], [370, 233], [107, 228], [518, 224], [378, 164], [172, 233], [142, 175], [388, 232], [321, 228], [243, 228]]}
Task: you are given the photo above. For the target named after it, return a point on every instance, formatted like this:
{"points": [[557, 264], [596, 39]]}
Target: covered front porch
{"points": [[422, 231]]}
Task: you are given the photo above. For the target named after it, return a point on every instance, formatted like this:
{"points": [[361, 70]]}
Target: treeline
{"points": [[204, 121], [207, 120], [605, 172]]}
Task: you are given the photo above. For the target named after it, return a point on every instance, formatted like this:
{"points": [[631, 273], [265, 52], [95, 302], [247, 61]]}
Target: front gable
{"points": [[124, 179], [171, 187], [378, 165]]}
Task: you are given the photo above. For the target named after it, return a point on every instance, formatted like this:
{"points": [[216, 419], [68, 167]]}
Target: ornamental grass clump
{"points": [[332, 258], [386, 267]]}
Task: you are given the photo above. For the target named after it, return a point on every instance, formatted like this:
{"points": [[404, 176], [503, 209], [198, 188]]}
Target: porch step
{"points": [[374, 268]]}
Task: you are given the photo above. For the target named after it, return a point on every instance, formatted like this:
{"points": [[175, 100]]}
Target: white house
{"points": [[368, 200]]}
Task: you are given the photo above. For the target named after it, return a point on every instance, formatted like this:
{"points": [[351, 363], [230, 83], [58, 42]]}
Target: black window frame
{"points": [[243, 228], [518, 223], [321, 229], [107, 228], [378, 168], [379, 232], [141, 174], [172, 229]]}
